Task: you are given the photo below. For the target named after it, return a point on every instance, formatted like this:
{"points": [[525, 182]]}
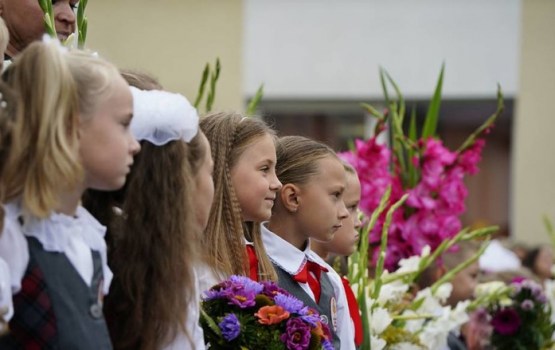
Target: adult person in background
{"points": [[25, 22]]}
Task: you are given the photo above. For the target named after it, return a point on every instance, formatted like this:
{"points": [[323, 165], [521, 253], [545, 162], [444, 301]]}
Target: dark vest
{"points": [[286, 281], [55, 309]]}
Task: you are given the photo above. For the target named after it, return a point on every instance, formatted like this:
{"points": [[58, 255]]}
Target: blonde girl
{"points": [[153, 302], [309, 206], [71, 133], [245, 184]]}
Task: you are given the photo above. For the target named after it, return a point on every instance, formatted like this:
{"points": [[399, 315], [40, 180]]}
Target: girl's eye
{"points": [[265, 169], [353, 208]]}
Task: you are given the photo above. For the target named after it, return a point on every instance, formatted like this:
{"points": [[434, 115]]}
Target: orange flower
{"points": [[271, 314]]}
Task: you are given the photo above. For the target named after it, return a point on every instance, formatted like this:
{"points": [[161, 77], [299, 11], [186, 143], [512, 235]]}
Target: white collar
{"points": [[55, 231], [284, 254]]}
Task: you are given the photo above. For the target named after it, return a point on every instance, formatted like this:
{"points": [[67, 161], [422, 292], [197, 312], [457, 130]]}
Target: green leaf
{"points": [[210, 322], [202, 85], [384, 86], [213, 80], [253, 104], [83, 33], [487, 124], [400, 100], [432, 116], [372, 111], [412, 127]]}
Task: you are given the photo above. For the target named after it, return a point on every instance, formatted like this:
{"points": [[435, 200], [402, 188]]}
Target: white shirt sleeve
{"points": [[192, 325], [15, 253], [6, 305]]}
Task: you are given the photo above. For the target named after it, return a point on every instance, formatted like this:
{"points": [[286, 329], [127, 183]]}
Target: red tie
{"points": [[353, 311], [253, 263], [310, 273]]}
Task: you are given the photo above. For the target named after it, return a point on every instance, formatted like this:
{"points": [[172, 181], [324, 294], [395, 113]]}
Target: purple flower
{"points": [[288, 302], [297, 335], [238, 290], [327, 345], [249, 285], [271, 289], [230, 327], [310, 316], [527, 305], [506, 322]]}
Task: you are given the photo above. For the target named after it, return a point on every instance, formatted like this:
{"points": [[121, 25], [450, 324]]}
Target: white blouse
{"points": [[192, 326], [75, 236], [6, 304]]}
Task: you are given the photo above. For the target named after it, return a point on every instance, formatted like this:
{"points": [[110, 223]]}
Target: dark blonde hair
{"points": [[155, 242], [56, 90], [229, 135], [297, 158]]}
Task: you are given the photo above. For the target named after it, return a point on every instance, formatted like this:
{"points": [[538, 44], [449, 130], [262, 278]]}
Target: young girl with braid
{"points": [[71, 133], [308, 207], [154, 299], [245, 184]]}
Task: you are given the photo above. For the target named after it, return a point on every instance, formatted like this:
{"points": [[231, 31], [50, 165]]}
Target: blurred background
{"points": [[318, 59]]}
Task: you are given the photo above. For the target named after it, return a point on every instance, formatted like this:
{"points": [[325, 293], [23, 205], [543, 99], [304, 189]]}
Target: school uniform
{"points": [[58, 276], [298, 272]]}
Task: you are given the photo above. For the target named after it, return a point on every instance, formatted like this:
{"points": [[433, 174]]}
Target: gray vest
{"points": [[286, 281], [78, 317]]}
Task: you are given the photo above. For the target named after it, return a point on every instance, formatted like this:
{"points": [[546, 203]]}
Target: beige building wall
{"points": [[534, 129], [173, 40]]}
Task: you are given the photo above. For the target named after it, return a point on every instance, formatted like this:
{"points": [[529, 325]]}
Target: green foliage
{"points": [[210, 76], [253, 104], [82, 23]]}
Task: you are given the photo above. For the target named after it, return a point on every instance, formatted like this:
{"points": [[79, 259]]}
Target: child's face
{"points": [[105, 143], [254, 179], [464, 284], [204, 185], [321, 209], [345, 239], [543, 263]]}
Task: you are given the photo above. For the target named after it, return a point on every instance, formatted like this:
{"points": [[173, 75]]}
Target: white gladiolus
{"points": [[489, 288], [379, 320], [444, 291], [377, 343]]}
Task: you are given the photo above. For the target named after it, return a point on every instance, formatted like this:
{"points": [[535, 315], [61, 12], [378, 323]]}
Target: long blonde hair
{"points": [[56, 89], [229, 135]]}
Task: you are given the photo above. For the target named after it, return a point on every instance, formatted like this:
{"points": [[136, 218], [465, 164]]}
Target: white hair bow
{"points": [[160, 117]]}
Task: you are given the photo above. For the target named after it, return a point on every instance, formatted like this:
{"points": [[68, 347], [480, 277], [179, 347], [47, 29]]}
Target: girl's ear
{"points": [[290, 197]]}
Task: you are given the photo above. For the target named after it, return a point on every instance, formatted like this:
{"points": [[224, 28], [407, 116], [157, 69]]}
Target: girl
{"points": [[245, 184], [7, 114], [165, 208], [344, 243], [309, 206], [71, 133]]}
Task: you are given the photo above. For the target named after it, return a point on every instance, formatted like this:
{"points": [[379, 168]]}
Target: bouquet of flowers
{"points": [[393, 315], [515, 316], [240, 313], [416, 164]]}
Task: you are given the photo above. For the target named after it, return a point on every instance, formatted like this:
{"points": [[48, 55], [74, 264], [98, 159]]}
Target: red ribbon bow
{"points": [[310, 273]]}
